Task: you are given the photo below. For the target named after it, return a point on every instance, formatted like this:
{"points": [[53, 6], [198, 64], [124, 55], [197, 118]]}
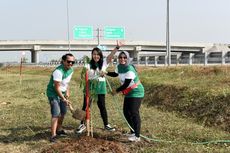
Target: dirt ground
{"points": [[105, 142]]}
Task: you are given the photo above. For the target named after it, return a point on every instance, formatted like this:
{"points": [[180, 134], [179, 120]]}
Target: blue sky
{"points": [[190, 20]]}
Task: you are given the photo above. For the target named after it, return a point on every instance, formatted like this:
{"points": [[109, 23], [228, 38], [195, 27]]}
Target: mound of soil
{"points": [[86, 145], [103, 143]]}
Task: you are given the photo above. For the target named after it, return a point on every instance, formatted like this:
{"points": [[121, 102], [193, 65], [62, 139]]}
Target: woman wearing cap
{"points": [[133, 90], [97, 66]]}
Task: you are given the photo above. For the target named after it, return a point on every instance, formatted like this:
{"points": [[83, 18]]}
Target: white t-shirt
{"points": [[58, 75]]}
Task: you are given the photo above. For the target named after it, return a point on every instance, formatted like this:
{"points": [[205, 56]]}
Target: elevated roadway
{"points": [[135, 48]]}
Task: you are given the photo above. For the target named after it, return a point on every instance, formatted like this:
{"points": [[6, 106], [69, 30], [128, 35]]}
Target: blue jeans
{"points": [[58, 107]]}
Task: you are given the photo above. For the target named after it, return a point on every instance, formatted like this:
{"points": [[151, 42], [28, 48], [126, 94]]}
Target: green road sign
{"points": [[83, 32], [114, 33]]}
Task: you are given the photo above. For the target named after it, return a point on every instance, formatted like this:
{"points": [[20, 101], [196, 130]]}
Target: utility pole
{"points": [[67, 12], [168, 48], [98, 36]]}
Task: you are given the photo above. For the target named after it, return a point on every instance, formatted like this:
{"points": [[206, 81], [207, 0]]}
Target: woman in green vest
{"points": [[133, 90], [96, 67]]}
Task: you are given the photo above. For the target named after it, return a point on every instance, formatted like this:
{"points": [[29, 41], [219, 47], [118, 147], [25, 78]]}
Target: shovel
{"points": [[78, 113]]}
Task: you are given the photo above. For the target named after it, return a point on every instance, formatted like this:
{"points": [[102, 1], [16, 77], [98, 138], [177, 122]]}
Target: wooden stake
{"points": [[20, 72], [91, 123]]}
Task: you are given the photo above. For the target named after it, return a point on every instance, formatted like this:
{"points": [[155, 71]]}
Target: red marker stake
{"points": [[87, 103]]}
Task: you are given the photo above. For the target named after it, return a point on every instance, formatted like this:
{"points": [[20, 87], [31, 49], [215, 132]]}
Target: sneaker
{"points": [[134, 138], [109, 128], [53, 139], [81, 128], [61, 133], [129, 134]]}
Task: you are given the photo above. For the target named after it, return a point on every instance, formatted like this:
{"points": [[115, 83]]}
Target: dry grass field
{"points": [[183, 107]]}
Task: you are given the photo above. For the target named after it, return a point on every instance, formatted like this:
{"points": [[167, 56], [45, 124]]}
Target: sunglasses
{"points": [[122, 57], [70, 62]]}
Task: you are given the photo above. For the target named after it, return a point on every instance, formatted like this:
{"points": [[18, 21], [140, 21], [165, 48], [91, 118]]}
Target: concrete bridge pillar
{"points": [[131, 54], [166, 62], [190, 58], [137, 49], [138, 59], [177, 59], [223, 55], [146, 60], [35, 54], [206, 54], [156, 60]]}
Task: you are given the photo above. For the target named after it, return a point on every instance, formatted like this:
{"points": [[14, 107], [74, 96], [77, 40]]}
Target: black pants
{"points": [[131, 111], [101, 106]]}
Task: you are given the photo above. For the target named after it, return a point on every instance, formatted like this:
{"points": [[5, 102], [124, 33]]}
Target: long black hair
{"points": [[98, 64]]}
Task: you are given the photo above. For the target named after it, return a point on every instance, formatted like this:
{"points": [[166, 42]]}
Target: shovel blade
{"points": [[79, 114]]}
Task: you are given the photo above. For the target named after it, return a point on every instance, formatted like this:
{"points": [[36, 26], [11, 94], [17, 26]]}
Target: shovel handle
{"points": [[71, 108]]}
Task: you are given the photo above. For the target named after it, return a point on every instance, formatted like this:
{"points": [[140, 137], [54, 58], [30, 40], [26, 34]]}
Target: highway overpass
{"points": [[137, 49]]}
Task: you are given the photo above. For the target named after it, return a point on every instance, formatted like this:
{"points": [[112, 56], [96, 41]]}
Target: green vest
{"points": [[139, 90], [100, 86], [51, 92]]}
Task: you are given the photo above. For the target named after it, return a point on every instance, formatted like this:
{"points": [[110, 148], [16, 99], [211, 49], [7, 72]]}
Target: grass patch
{"points": [[203, 95], [174, 109]]}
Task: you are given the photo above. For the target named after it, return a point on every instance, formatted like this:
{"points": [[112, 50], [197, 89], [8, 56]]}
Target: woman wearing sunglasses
{"points": [[133, 90], [97, 67]]}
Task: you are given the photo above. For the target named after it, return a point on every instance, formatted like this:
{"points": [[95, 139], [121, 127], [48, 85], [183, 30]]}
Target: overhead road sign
{"points": [[83, 32], [114, 32]]}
